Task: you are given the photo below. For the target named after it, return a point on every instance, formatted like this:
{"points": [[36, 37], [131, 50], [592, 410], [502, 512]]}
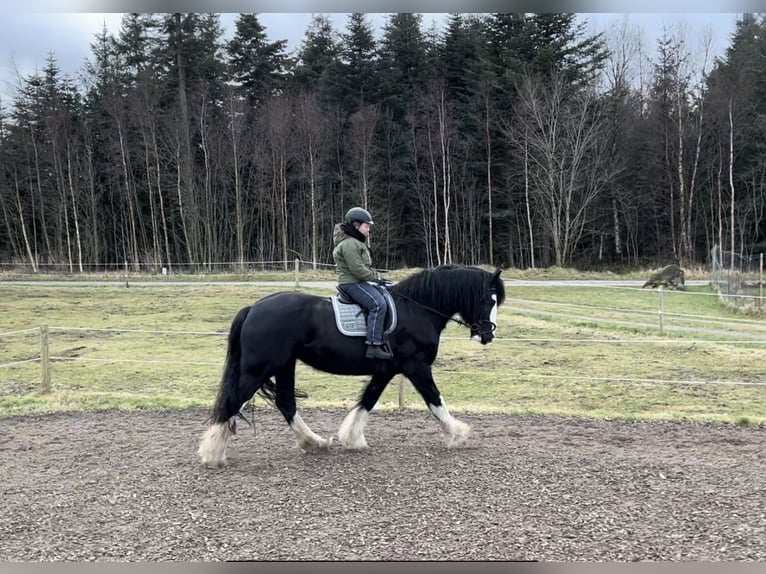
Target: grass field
{"points": [[580, 351]]}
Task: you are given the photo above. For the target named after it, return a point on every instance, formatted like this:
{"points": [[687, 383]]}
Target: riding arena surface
{"points": [[128, 486]]}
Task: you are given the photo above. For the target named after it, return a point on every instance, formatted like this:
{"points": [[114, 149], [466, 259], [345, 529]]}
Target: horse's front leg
{"points": [[351, 432], [456, 432]]}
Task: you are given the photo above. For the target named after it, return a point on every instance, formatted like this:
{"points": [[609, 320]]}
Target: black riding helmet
{"points": [[358, 214]]}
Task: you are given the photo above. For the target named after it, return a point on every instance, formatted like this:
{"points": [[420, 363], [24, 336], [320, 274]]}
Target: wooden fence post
{"points": [[297, 269], [45, 363], [662, 308], [760, 282], [402, 388]]}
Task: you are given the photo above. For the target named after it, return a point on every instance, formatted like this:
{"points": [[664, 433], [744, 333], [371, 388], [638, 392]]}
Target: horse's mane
{"points": [[449, 283]]}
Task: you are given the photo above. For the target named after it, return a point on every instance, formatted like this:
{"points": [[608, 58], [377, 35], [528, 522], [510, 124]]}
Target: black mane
{"points": [[447, 284]]}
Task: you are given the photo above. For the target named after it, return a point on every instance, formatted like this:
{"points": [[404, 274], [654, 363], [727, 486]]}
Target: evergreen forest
{"points": [[508, 139]]}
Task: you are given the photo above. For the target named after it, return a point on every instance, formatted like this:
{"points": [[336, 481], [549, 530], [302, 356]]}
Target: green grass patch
{"points": [[694, 314], [584, 352]]}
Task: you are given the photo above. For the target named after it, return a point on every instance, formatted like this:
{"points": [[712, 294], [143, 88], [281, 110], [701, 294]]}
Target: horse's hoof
{"points": [[324, 445], [460, 435], [320, 445], [355, 445], [215, 464]]}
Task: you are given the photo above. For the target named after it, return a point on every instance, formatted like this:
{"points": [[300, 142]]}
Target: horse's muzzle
{"points": [[486, 334]]}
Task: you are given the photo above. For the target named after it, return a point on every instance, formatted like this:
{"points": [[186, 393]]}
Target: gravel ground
{"points": [[128, 486]]}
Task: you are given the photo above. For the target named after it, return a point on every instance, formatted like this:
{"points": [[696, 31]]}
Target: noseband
{"points": [[490, 329]]}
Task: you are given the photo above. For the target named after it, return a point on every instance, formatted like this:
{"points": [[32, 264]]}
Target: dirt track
{"points": [[128, 486]]}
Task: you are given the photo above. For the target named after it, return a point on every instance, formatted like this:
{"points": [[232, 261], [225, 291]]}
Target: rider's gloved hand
{"points": [[384, 282]]}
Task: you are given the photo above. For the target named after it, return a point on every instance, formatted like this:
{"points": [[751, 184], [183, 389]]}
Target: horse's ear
{"points": [[497, 284]]}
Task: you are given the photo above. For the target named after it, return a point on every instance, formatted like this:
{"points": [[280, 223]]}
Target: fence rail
{"points": [[156, 267], [126, 271]]}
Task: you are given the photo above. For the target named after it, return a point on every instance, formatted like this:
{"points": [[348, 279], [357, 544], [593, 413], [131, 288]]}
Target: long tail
{"points": [[230, 380], [269, 392]]}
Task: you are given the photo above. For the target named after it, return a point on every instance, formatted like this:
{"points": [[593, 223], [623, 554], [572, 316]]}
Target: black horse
{"points": [[267, 338]]}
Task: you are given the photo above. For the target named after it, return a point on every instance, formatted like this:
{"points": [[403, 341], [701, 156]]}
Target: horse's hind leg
{"points": [[212, 447], [307, 439], [351, 432]]}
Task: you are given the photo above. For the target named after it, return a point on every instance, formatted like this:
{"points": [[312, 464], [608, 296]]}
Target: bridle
{"points": [[474, 327]]}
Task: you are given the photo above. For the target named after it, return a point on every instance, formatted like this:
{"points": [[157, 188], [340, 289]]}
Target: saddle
{"points": [[351, 318]]}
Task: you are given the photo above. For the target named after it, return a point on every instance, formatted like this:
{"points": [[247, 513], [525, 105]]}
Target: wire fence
{"points": [[755, 334], [77, 363], [133, 268], [738, 278]]}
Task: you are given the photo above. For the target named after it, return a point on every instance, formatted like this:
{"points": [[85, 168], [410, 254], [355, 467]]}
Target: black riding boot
{"points": [[377, 352]]}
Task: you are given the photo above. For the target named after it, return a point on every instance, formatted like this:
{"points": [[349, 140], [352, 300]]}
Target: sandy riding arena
{"points": [[129, 486]]}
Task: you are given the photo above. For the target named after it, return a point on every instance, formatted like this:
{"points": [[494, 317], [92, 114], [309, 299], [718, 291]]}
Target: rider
{"points": [[353, 262]]}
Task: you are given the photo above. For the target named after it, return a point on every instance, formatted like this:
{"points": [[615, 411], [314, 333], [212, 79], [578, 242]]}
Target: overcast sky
{"points": [[27, 38]]}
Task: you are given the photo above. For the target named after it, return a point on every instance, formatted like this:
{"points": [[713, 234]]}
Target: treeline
{"points": [[508, 139]]}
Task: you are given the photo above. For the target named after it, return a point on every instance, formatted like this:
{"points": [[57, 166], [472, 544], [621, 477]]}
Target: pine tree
{"points": [[357, 82], [318, 63], [258, 65]]}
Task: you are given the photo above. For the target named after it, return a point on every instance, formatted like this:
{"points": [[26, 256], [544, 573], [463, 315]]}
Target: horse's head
{"points": [[483, 318], [473, 293]]}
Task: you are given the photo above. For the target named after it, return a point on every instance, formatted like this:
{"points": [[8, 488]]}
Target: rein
{"points": [[472, 326]]}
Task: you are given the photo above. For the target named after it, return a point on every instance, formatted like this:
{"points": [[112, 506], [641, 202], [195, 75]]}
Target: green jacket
{"points": [[353, 260]]}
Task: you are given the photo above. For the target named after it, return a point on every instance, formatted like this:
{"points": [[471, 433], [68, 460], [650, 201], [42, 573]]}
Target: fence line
{"points": [[525, 374], [651, 381], [146, 266], [502, 339], [9, 333], [46, 359], [142, 361], [120, 265], [639, 311], [733, 297], [509, 282], [621, 341], [13, 364], [115, 330]]}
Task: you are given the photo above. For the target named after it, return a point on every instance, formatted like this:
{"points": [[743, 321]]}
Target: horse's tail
{"points": [[269, 392], [227, 393]]}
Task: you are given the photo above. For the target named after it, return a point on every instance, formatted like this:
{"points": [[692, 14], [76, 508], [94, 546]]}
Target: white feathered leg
{"points": [[308, 440], [456, 431], [212, 447], [351, 432]]}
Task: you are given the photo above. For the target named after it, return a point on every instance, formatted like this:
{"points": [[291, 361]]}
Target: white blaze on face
{"points": [[492, 317]]}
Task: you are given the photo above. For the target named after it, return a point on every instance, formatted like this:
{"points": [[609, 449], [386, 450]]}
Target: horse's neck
{"points": [[444, 310]]}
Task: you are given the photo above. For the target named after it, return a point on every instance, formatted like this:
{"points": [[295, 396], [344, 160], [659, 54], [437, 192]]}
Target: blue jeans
{"points": [[371, 299]]}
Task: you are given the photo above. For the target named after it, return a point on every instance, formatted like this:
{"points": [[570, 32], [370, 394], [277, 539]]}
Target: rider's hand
{"points": [[384, 282]]}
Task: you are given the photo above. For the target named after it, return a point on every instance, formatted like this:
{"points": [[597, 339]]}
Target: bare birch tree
{"points": [[362, 137], [313, 130], [566, 151], [237, 116]]}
